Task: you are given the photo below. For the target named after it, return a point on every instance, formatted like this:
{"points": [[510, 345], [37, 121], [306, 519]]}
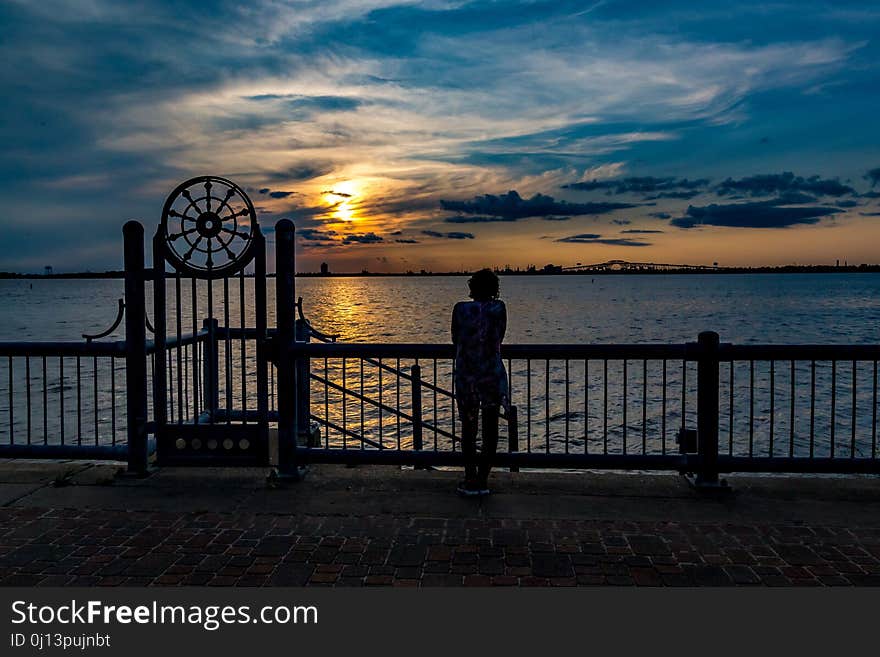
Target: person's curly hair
{"points": [[483, 285]]}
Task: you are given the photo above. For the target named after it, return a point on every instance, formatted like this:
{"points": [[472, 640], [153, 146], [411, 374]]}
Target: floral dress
{"points": [[477, 331]]}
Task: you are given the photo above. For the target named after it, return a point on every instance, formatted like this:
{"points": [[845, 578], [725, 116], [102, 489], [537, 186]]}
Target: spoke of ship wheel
{"points": [[237, 233], [209, 262], [183, 233], [185, 193], [208, 195], [226, 248], [189, 253], [240, 213]]}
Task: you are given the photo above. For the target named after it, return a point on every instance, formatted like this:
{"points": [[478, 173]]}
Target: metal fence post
{"points": [[210, 366], [285, 300], [416, 374], [135, 348], [512, 434], [303, 384], [707, 409]]}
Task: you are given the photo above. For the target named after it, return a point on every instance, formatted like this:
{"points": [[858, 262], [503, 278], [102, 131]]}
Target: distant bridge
{"points": [[624, 265]]}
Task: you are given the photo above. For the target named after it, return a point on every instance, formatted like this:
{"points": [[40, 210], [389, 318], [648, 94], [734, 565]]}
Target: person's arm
{"points": [[503, 328]]}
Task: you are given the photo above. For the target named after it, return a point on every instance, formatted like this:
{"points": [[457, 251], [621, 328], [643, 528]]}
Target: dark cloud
{"points": [[661, 215], [870, 195], [679, 195], [511, 207], [365, 238], [592, 238], [870, 214], [452, 235], [281, 194], [476, 219], [402, 241], [772, 183], [315, 234], [396, 232], [343, 194], [758, 214], [846, 204], [638, 231], [264, 190], [621, 222], [874, 176], [301, 172], [641, 185]]}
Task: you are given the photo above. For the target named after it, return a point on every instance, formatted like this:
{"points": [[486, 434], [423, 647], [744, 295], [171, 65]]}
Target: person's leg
{"points": [[490, 441], [468, 413]]}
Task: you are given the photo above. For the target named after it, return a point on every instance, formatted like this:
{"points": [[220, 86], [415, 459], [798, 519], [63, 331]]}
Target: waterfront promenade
{"points": [[79, 524]]}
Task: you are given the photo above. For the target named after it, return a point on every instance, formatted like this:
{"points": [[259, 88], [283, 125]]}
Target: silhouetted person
{"points": [[480, 379]]}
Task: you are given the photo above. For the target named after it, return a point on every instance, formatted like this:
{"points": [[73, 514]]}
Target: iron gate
{"points": [[210, 391]]}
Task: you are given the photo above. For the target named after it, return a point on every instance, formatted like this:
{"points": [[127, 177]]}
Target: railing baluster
{"points": [[112, 400], [547, 406], [344, 407], [95, 396], [852, 448], [623, 383], [645, 406], [751, 408], [227, 354], [398, 404], [363, 425], [79, 430], [833, 403], [27, 377], [11, 411], [730, 411], [812, 406], [874, 414], [416, 373], [528, 405], [605, 406], [46, 405], [435, 403], [567, 423], [663, 414], [586, 405], [792, 418], [61, 395], [381, 446], [772, 403]]}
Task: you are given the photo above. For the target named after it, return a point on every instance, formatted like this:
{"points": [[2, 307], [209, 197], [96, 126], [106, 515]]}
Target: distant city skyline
{"points": [[447, 135]]}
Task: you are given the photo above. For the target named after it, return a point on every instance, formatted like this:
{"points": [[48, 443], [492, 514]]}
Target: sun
{"points": [[343, 199]]}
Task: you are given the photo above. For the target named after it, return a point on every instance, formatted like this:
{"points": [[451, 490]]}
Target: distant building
{"points": [[48, 271], [325, 269]]}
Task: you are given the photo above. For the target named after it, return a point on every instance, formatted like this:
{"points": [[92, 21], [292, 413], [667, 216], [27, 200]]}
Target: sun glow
{"points": [[343, 200]]}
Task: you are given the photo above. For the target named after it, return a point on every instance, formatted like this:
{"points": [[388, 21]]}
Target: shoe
{"points": [[469, 488]]}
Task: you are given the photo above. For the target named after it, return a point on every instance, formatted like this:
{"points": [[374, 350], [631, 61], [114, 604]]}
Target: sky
{"points": [[446, 135]]}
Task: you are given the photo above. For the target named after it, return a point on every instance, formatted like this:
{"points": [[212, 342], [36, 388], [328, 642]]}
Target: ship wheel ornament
{"points": [[208, 224]]}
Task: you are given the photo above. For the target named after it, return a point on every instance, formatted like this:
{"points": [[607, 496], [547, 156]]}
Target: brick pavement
{"points": [[100, 547]]}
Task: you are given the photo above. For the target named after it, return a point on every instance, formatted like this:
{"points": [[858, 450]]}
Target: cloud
{"points": [[874, 176], [758, 214], [342, 194], [772, 183], [315, 234], [476, 219], [281, 194], [406, 241], [639, 231], [512, 206], [640, 185], [621, 222], [661, 215], [452, 235], [592, 238], [365, 238]]}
